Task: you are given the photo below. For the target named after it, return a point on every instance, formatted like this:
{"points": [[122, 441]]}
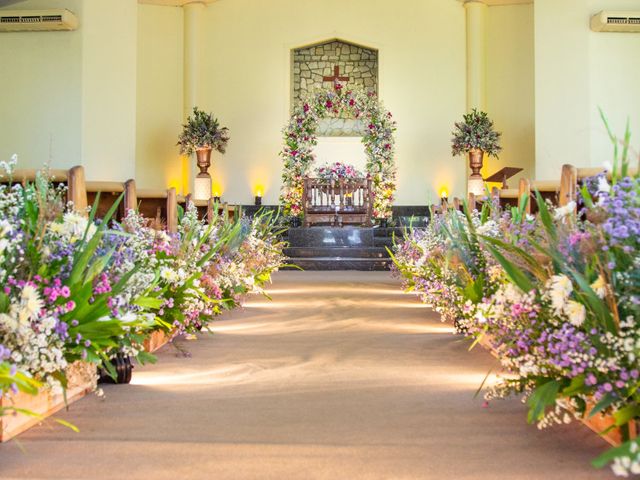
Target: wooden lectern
{"points": [[503, 175]]}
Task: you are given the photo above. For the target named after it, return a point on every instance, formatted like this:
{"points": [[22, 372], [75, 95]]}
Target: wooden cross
{"points": [[335, 78]]}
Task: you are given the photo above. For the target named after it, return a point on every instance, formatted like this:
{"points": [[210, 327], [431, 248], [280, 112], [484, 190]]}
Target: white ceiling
{"points": [[179, 3], [173, 3], [501, 2], [507, 2]]}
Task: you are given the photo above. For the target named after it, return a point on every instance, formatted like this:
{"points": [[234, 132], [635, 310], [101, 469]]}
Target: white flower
{"points": [[168, 274], [618, 467], [129, 317], [488, 228], [11, 322], [600, 286], [30, 302], [562, 212], [73, 227], [576, 313], [603, 185], [560, 287]]}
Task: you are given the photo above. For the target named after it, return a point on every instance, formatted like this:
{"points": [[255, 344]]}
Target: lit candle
{"points": [[258, 198], [444, 195], [216, 197]]}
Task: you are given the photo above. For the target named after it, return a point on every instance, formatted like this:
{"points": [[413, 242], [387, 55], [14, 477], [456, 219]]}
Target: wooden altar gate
{"points": [[337, 202]]}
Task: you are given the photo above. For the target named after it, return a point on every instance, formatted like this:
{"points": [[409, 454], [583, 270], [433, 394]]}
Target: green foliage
{"points": [[621, 161], [627, 449], [542, 397], [202, 130], [21, 381]]}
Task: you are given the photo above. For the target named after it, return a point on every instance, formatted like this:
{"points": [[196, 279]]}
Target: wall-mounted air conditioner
{"points": [[607, 21], [37, 20]]}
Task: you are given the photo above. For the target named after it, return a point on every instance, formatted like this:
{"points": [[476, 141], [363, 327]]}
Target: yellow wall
{"points": [[614, 83], [70, 97], [159, 102], [110, 95], [109, 57], [577, 70], [510, 87], [40, 80], [422, 82]]}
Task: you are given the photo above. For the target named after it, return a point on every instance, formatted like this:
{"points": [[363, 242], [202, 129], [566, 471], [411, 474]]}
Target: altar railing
{"points": [[337, 202]]}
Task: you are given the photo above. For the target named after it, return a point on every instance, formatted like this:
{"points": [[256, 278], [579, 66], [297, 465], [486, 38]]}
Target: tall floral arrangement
{"points": [[202, 130], [476, 131], [300, 138]]}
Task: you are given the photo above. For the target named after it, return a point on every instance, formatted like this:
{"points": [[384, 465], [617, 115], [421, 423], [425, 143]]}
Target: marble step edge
{"points": [[364, 264], [336, 252]]}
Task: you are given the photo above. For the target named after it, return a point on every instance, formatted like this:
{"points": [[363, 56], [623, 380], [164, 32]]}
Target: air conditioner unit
{"points": [[608, 21], [37, 20]]}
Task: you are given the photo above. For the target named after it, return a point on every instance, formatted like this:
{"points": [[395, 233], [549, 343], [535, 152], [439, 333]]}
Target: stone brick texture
{"points": [[311, 64]]}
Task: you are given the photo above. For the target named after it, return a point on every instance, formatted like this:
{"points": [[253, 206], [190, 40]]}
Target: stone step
{"points": [[331, 237], [382, 242], [332, 263], [389, 232], [336, 252]]}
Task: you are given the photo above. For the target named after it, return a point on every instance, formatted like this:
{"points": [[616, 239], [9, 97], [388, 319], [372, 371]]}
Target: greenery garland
{"points": [[300, 138]]}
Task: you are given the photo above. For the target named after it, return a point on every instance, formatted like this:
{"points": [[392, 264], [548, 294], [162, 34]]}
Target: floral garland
{"points": [[300, 138], [338, 170]]}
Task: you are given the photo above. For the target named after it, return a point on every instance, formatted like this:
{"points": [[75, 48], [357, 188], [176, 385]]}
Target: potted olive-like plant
{"points": [[201, 134], [475, 136]]}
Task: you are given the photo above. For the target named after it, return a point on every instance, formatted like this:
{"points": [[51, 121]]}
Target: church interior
{"points": [[412, 227]]}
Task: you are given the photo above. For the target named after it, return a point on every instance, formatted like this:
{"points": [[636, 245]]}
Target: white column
{"points": [[193, 18], [193, 46], [476, 12]]}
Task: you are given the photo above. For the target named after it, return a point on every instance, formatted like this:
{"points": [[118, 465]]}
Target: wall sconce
{"points": [[258, 198], [444, 196]]}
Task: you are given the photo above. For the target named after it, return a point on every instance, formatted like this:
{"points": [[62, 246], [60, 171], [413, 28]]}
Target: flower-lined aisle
{"points": [[556, 297], [79, 289]]}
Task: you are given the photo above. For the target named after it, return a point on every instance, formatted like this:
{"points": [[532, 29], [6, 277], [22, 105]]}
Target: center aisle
{"points": [[340, 376]]}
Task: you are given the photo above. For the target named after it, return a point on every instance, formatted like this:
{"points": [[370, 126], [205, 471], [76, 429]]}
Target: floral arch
{"points": [[300, 138]]}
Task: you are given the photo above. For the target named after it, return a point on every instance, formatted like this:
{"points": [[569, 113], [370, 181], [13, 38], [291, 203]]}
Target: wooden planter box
{"points": [[599, 423], [82, 378], [486, 342], [156, 340]]}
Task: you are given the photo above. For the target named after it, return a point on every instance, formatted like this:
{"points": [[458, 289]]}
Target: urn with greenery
{"points": [[201, 134], [476, 136]]}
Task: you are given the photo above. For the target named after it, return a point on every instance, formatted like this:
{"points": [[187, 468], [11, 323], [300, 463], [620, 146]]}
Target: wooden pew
{"points": [[29, 175], [109, 193]]}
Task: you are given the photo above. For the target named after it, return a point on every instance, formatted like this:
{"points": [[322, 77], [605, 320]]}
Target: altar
{"points": [[337, 202]]}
